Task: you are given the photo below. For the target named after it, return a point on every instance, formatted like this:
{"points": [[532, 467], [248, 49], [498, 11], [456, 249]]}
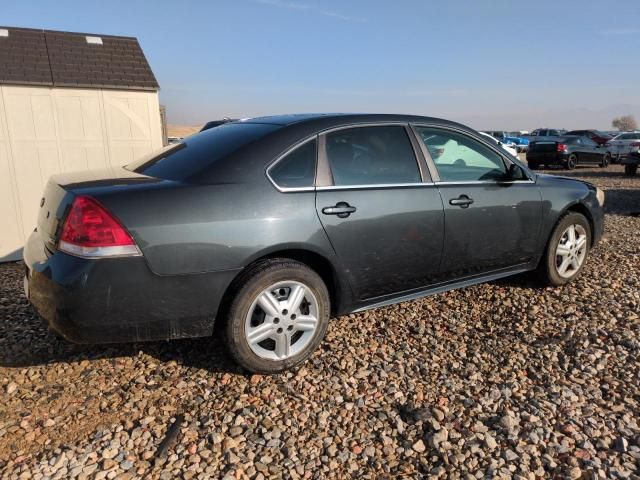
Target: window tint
{"points": [[459, 158], [297, 169], [372, 156], [191, 158], [628, 136]]}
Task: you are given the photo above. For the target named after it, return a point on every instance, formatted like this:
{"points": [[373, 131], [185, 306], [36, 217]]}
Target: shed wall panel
{"points": [[45, 131]]}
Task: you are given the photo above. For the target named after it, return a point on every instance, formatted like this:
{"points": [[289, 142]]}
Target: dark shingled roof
{"points": [[64, 59]]}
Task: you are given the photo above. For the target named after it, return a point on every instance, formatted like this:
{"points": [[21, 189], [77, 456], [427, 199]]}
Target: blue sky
{"points": [[492, 64]]}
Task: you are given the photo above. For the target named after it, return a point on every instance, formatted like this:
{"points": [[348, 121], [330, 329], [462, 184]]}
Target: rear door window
{"points": [[375, 155]]}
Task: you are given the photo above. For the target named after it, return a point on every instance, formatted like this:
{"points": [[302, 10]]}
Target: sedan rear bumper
{"points": [[114, 300], [547, 158]]}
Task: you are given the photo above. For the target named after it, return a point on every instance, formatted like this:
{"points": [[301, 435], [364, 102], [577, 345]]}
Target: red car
{"points": [[597, 136]]}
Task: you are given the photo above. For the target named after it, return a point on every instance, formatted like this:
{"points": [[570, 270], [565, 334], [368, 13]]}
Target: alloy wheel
{"points": [[571, 250], [281, 320]]}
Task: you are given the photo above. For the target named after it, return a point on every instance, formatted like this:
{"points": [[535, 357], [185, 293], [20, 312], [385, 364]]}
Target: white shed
{"points": [[68, 101]]}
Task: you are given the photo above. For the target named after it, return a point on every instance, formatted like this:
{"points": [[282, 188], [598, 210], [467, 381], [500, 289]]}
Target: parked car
{"points": [[216, 123], [630, 162], [498, 134], [568, 151], [597, 136], [509, 147], [623, 144], [521, 144], [547, 132], [270, 226]]}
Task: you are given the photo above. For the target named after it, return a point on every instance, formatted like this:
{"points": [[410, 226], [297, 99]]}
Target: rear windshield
{"points": [[187, 160]]}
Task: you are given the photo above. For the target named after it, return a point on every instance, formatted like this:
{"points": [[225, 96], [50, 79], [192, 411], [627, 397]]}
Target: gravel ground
{"points": [[504, 380]]}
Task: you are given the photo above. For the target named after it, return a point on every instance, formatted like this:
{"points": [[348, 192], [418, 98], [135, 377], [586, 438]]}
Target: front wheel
{"points": [[567, 250], [630, 170], [278, 317], [605, 161]]}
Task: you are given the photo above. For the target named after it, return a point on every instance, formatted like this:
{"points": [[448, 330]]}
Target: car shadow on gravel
{"points": [[622, 202], [28, 343]]}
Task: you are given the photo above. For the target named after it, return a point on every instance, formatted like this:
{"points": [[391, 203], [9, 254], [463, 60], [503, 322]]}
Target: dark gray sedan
{"points": [[270, 226]]}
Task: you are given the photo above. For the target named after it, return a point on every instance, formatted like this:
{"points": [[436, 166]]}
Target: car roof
{"points": [[342, 118]]}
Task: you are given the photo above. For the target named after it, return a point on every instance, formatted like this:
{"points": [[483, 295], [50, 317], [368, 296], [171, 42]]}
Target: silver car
{"points": [[623, 144]]}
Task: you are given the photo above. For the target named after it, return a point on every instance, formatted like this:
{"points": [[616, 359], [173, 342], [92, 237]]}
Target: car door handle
{"points": [[462, 201], [341, 209]]}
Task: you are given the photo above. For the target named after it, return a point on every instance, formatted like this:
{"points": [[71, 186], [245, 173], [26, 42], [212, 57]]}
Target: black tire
{"points": [[630, 170], [571, 162], [534, 165], [248, 287], [547, 269], [606, 160]]}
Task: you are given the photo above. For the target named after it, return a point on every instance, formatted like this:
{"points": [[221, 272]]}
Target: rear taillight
{"points": [[91, 231], [562, 147]]}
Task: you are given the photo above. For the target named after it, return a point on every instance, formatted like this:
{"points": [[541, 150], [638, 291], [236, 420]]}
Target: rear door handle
{"points": [[462, 201], [341, 209]]}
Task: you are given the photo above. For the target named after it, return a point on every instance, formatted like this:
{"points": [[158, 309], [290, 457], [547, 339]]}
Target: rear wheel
{"points": [[567, 250], [278, 317], [606, 160], [571, 162], [630, 169], [534, 165]]}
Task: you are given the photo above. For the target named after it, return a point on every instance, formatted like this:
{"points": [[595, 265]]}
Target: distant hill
{"points": [[182, 130]]}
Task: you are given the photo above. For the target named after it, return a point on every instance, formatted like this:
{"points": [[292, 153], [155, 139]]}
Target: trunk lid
{"points": [[543, 145], [62, 189]]}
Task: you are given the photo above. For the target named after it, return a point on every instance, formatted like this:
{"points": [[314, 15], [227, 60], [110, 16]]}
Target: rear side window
{"points": [[297, 169], [372, 156], [187, 160], [629, 136]]}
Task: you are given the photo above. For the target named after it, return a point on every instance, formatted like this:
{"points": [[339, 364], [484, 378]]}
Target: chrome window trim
{"points": [[322, 161], [367, 124], [484, 182], [283, 155], [431, 163], [376, 186]]}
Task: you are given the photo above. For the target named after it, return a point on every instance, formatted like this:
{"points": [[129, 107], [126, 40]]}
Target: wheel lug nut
{"points": [[290, 327], [279, 330], [293, 316], [284, 312], [276, 320]]}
